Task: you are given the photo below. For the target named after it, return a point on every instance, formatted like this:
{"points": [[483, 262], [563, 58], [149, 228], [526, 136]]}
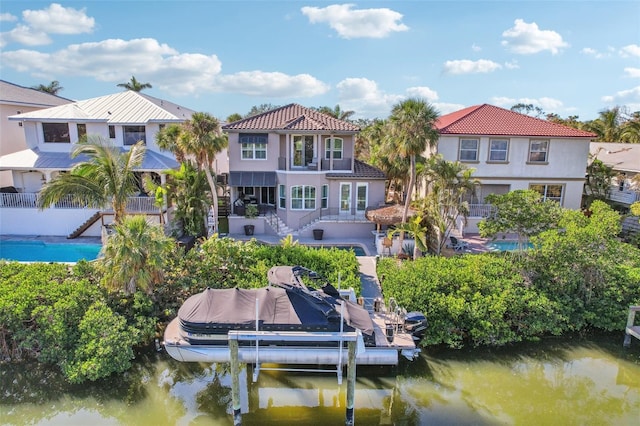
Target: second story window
{"points": [[253, 146], [538, 151], [303, 150], [498, 149], [133, 134], [333, 146], [56, 133], [469, 149]]}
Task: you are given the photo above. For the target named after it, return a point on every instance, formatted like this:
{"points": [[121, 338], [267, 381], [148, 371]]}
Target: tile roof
{"points": [[292, 117], [491, 120], [619, 156], [18, 95], [36, 159], [120, 108], [361, 171]]}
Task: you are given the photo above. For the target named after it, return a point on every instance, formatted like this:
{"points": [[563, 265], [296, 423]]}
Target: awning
{"points": [[259, 179]]}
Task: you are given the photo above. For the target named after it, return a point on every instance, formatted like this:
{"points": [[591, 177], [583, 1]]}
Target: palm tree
{"points": [[336, 112], [107, 177], [448, 183], [135, 85], [608, 125], [168, 140], [52, 88], [134, 255], [412, 130], [202, 138]]}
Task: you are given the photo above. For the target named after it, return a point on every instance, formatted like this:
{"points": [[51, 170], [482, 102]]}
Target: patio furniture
{"points": [[458, 245]]}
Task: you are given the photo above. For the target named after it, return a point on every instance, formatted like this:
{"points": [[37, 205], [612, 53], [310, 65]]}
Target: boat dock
{"points": [[631, 329]]}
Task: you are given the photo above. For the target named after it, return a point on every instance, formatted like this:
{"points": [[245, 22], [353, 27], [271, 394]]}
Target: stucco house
{"points": [[297, 165], [511, 151], [51, 135], [15, 99]]}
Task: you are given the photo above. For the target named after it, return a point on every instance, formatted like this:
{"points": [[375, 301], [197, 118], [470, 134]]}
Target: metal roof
{"points": [[258, 179], [35, 159], [125, 107], [622, 157]]}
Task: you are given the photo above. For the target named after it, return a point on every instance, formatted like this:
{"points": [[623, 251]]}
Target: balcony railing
{"points": [[481, 210], [29, 200], [335, 214], [626, 196]]}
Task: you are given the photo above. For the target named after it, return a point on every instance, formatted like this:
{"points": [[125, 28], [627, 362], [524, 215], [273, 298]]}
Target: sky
{"points": [[223, 57]]}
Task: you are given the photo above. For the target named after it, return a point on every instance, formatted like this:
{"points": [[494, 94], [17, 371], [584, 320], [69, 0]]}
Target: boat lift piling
{"points": [[631, 330]]}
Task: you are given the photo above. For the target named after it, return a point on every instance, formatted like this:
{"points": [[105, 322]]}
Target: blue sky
{"points": [[223, 57]]}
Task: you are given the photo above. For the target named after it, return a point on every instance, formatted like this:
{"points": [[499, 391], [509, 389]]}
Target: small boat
{"points": [[299, 318]]}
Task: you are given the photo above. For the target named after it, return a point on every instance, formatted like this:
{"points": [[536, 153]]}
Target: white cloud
{"points": [[547, 104], [423, 92], [524, 38], [592, 52], [362, 23], [630, 96], [24, 35], [476, 48], [632, 72], [364, 96], [466, 66], [513, 65], [272, 84], [446, 108], [7, 17], [630, 50], [59, 20]]}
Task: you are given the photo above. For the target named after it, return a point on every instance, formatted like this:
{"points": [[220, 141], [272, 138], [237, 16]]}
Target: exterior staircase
{"points": [[279, 226], [87, 223]]}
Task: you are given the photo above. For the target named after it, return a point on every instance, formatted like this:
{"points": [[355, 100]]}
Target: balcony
{"points": [[29, 200], [325, 165]]}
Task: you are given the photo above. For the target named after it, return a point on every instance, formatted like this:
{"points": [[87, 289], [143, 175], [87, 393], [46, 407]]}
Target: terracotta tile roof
{"points": [[361, 171], [491, 120], [292, 117]]}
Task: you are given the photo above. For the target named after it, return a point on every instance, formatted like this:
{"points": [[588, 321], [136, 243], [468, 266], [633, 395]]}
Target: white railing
{"points": [[29, 200], [626, 196], [481, 210]]}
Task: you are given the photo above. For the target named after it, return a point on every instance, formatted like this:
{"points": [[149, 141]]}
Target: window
{"points": [[538, 151], [82, 130], [248, 190], [468, 149], [112, 132], [333, 145], [254, 146], [303, 197], [549, 192], [498, 149], [133, 134], [324, 197], [56, 132], [282, 197], [361, 197], [303, 150]]}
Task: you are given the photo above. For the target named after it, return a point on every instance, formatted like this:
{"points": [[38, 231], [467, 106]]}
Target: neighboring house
{"points": [[51, 134], [511, 151], [298, 166], [624, 159], [16, 99]]}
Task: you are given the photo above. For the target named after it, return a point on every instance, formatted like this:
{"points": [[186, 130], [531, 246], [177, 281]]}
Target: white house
{"points": [[51, 134], [624, 159], [511, 151]]}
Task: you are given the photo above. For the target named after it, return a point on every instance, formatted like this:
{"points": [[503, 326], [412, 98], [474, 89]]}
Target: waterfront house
{"points": [[624, 159], [511, 151], [298, 166], [51, 133]]}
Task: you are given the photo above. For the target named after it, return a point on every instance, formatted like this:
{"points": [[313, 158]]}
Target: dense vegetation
{"points": [[62, 315], [578, 277]]}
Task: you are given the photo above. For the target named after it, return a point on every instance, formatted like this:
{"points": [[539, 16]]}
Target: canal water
{"points": [[555, 382]]}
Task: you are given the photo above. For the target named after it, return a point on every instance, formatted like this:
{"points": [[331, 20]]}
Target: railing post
{"points": [[235, 382], [351, 383], [630, 320]]}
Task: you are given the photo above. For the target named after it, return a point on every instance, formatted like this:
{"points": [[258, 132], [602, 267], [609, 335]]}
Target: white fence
{"points": [[28, 200]]}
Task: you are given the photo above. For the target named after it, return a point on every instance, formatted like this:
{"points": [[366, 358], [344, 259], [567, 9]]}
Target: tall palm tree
{"points": [[336, 112], [135, 85], [134, 255], [608, 125], [202, 138], [412, 131], [52, 88], [107, 177], [168, 139]]}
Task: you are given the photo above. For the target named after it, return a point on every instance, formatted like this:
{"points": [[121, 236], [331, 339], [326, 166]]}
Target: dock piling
{"points": [[351, 383], [631, 330], [235, 383]]}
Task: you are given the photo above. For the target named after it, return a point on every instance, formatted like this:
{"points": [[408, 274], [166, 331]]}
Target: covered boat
{"points": [[297, 306]]}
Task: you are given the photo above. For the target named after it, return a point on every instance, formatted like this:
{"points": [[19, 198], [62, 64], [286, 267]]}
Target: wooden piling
{"points": [[235, 382], [631, 330], [351, 383]]}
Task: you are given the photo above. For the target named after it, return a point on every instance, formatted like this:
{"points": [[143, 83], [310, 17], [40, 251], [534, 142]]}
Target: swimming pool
{"points": [[358, 250], [506, 245], [39, 251]]}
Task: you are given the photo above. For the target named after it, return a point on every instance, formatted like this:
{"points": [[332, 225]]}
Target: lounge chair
{"points": [[458, 245]]}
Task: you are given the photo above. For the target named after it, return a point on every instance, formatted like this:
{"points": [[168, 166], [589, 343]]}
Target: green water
{"points": [[580, 382]]}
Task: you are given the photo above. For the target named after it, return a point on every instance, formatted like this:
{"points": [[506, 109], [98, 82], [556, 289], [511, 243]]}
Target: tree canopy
{"points": [[52, 88], [135, 85]]}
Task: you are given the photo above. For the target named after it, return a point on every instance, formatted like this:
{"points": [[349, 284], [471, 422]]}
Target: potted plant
{"points": [[250, 212]]}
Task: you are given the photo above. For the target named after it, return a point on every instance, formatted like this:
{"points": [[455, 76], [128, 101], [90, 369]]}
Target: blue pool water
{"points": [[505, 245], [359, 251], [38, 251]]}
